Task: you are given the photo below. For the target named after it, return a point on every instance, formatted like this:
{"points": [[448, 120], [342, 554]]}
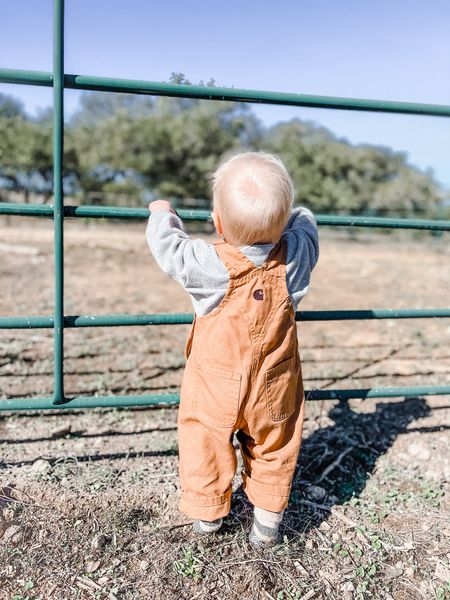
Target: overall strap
{"points": [[235, 261], [276, 261], [238, 264]]}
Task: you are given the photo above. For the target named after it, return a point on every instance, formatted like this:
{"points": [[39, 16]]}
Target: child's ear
{"points": [[217, 223]]}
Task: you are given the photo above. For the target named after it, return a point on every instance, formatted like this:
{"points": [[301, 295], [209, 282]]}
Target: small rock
{"points": [[92, 566], [309, 544], [41, 466], [316, 493], [99, 541], [144, 565], [14, 535], [392, 573], [419, 451], [300, 568], [8, 513], [442, 572], [6, 493], [348, 587], [103, 580], [61, 431]]}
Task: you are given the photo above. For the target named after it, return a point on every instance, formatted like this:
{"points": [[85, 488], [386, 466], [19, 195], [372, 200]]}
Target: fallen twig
{"points": [[334, 463], [170, 527]]}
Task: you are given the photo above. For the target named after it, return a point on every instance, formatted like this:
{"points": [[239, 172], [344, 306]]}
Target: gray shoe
{"points": [[206, 527], [263, 537]]}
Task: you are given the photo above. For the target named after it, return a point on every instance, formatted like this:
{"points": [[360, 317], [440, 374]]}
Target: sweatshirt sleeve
{"points": [[193, 263], [302, 251]]}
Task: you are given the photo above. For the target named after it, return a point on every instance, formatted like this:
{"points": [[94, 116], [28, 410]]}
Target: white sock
{"points": [[268, 518], [210, 526]]}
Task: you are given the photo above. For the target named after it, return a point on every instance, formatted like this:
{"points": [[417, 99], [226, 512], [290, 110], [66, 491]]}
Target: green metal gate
{"points": [[60, 80]]}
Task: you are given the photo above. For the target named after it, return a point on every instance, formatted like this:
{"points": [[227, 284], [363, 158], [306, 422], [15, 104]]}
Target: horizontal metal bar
{"points": [[125, 320], [377, 313], [26, 323], [388, 392], [20, 76], [26, 210], [173, 399], [112, 84], [382, 222], [98, 212], [128, 320], [107, 84], [90, 402], [72, 321], [117, 212]]}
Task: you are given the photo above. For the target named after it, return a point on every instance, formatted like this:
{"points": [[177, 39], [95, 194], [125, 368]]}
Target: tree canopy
{"points": [[127, 148]]}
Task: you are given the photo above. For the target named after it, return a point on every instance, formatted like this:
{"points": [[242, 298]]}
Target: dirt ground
{"points": [[88, 499]]}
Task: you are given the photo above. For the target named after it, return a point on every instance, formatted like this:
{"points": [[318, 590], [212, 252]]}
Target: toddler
{"points": [[243, 372]]}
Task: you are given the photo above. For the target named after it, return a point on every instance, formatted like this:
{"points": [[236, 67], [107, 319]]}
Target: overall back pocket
{"points": [[216, 395], [281, 389]]}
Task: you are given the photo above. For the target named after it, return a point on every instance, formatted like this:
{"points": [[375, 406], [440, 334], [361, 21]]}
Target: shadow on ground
{"points": [[336, 461]]}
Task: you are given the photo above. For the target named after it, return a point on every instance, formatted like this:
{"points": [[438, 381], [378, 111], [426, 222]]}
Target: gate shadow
{"points": [[335, 462]]}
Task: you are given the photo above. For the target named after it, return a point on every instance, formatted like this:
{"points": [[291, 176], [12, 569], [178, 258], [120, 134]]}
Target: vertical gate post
{"points": [[58, 197]]}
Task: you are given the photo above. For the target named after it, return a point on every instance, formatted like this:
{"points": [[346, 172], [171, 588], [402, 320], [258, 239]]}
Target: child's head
{"points": [[252, 199]]}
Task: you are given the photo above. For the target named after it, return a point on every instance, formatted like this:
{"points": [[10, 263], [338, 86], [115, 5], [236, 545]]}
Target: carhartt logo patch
{"points": [[258, 295]]}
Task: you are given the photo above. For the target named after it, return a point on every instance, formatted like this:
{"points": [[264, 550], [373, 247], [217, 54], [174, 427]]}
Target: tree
{"points": [[331, 175], [26, 161], [11, 107], [171, 150], [169, 146], [98, 106]]}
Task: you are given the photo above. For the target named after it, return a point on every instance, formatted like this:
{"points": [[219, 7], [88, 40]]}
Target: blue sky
{"points": [[384, 49]]}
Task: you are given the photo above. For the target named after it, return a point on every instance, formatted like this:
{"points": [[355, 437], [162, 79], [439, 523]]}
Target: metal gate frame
{"points": [[59, 81]]}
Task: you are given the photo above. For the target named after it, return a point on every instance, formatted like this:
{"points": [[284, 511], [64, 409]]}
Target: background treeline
{"points": [[127, 149]]}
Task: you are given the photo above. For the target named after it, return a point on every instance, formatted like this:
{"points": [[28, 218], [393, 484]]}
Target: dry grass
{"points": [[366, 518], [88, 500]]}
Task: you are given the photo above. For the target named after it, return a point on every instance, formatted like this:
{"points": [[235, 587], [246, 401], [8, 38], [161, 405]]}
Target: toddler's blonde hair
{"points": [[253, 195]]}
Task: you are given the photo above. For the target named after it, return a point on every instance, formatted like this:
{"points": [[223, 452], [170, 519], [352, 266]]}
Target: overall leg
{"points": [[270, 452], [207, 459]]}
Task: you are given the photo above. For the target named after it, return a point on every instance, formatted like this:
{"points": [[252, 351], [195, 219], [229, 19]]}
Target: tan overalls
{"points": [[242, 374]]}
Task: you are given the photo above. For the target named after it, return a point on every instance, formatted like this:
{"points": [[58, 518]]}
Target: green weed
{"points": [[28, 586], [443, 592], [189, 566]]}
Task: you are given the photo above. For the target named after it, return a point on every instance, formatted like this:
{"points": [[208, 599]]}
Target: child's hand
{"points": [[160, 205]]}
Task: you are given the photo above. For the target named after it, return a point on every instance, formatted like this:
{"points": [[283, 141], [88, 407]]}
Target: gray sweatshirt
{"points": [[195, 265]]}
